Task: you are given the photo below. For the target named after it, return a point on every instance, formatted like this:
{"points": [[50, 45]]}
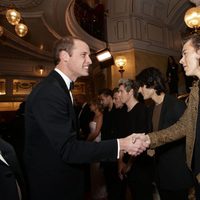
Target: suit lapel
{"points": [[63, 85]]}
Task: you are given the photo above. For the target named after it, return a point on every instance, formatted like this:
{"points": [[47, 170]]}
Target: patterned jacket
{"points": [[185, 127]]}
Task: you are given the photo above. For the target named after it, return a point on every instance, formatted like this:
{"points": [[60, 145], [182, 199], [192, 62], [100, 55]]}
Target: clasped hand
{"points": [[135, 144]]}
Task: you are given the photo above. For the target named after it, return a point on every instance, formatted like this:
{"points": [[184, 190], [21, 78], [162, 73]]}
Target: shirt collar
{"points": [[65, 78]]}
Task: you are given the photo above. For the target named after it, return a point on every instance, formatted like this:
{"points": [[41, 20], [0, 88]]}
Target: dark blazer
{"points": [[172, 172], [85, 118], [9, 174], [53, 155]]}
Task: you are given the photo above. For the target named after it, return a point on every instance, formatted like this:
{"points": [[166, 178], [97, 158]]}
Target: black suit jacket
{"points": [[53, 155], [10, 173], [171, 169]]}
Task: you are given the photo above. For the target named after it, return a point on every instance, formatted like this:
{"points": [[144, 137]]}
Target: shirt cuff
{"points": [[118, 149]]}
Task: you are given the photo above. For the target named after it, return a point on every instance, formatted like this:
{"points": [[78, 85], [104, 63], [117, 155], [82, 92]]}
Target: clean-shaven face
{"points": [[117, 100], [190, 59], [105, 100], [124, 95], [147, 93], [79, 59]]}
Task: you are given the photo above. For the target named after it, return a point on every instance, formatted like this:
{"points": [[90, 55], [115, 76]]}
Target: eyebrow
{"points": [[183, 51]]}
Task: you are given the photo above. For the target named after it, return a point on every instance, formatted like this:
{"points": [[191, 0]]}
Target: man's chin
{"points": [[85, 74]]}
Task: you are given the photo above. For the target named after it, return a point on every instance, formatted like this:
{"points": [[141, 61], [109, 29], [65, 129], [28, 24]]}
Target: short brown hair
{"points": [[65, 44]]}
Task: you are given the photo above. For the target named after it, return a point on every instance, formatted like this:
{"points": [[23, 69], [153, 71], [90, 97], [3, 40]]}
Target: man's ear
{"points": [[64, 56], [131, 91]]}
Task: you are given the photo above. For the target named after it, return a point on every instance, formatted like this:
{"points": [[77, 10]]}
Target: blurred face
{"points": [[92, 107], [78, 61], [124, 95], [105, 100], [147, 93], [190, 60], [117, 100]]}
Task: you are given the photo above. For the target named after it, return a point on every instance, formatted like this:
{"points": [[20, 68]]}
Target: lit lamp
{"points": [[103, 55], [21, 29], [192, 18], [13, 16], [40, 69], [120, 62], [105, 58]]}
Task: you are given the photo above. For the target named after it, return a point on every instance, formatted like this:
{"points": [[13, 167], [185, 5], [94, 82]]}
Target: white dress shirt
{"points": [[66, 80]]}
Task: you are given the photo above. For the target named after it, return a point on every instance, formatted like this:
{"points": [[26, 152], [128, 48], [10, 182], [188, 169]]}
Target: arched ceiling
{"points": [[46, 22]]}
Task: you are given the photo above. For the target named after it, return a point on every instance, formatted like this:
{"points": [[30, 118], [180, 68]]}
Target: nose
{"points": [[140, 89], [181, 61], [89, 60]]}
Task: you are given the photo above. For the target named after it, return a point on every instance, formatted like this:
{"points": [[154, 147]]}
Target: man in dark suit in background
{"points": [[12, 185], [53, 155], [84, 115], [172, 175]]}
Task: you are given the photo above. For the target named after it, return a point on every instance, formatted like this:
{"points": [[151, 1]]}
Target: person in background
{"points": [[137, 171], [172, 176], [118, 117], [84, 116], [107, 132], [188, 125], [98, 186], [172, 75], [12, 183], [53, 155], [17, 133]]}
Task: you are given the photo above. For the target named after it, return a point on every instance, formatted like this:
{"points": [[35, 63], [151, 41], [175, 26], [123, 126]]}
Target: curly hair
{"points": [[152, 78], [195, 40]]}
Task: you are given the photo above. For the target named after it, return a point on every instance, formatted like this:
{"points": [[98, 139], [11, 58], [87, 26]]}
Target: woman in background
{"points": [[98, 187]]}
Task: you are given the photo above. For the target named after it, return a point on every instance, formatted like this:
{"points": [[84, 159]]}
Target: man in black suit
{"points": [[85, 116], [53, 155], [172, 175], [12, 186]]}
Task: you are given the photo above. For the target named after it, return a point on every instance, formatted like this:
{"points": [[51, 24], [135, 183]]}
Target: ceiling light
{"points": [[13, 16], [21, 29], [192, 17]]}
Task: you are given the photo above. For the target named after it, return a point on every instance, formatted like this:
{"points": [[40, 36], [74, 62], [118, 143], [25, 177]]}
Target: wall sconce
{"points": [[192, 18], [120, 62], [40, 69], [105, 58]]}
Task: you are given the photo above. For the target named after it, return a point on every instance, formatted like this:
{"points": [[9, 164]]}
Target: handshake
{"points": [[134, 144]]}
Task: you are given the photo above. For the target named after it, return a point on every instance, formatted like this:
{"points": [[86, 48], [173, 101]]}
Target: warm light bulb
{"points": [[21, 29], [13, 16], [120, 61], [192, 17]]}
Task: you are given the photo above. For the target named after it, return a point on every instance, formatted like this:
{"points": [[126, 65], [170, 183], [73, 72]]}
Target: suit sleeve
{"points": [[55, 119]]}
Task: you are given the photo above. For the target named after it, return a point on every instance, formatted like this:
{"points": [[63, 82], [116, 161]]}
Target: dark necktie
{"points": [[71, 86]]}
